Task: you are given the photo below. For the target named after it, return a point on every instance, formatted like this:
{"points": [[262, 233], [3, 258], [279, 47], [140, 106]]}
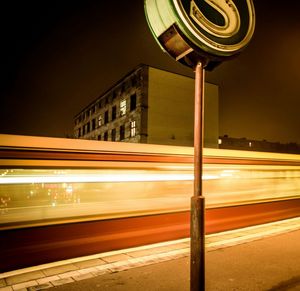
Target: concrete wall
{"points": [[171, 110]]}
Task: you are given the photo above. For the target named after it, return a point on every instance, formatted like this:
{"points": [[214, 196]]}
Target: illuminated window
{"points": [[113, 112], [132, 128], [100, 120], [219, 141], [122, 132], [123, 107], [250, 144]]}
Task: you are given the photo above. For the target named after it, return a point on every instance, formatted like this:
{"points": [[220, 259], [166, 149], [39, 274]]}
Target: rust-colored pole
{"points": [[197, 278]]}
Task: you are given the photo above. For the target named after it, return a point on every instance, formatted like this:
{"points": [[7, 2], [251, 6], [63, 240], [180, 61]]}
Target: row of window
{"points": [[122, 112], [102, 120], [122, 133], [101, 104]]}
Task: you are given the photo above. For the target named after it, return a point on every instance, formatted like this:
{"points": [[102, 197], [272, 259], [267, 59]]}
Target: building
{"points": [[149, 105], [245, 144]]}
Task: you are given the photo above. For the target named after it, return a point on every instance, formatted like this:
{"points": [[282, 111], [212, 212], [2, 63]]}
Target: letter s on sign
{"points": [[220, 27], [229, 12], [212, 29]]}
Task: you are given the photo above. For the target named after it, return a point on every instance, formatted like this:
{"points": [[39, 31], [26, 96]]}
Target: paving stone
{"points": [[178, 246], [2, 283], [88, 270], [69, 274], [211, 239], [160, 250], [24, 277], [40, 287], [89, 263], [101, 272], [7, 288], [83, 277], [135, 262], [103, 267], [62, 281], [115, 269], [141, 253], [59, 269], [47, 279], [24, 285], [148, 260], [179, 255], [115, 258]]}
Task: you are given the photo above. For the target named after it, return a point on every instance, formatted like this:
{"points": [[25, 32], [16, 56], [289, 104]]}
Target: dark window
{"points": [[114, 113], [88, 127], [105, 135], [99, 137], [102, 103], [83, 130], [133, 102], [94, 124], [113, 135], [106, 117], [79, 132], [133, 81], [122, 132]]}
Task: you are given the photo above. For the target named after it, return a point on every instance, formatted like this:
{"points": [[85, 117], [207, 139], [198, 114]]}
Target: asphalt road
{"points": [[268, 264]]}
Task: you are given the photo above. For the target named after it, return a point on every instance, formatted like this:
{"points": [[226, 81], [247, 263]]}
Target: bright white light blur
{"points": [[94, 178]]}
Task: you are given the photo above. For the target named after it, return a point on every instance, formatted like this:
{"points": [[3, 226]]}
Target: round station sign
{"points": [[214, 29]]}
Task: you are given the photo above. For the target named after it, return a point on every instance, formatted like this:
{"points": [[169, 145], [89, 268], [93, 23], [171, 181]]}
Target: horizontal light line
{"points": [[102, 178]]}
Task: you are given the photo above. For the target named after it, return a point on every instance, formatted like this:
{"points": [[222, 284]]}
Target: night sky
{"points": [[57, 56]]}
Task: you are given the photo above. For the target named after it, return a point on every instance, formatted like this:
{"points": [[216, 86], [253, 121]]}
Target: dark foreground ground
{"points": [[268, 264]]}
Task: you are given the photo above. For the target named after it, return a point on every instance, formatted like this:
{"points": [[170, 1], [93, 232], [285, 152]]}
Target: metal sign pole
{"points": [[191, 39], [197, 278]]}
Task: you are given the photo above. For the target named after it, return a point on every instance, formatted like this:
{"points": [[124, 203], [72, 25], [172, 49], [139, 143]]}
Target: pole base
{"points": [[197, 231]]}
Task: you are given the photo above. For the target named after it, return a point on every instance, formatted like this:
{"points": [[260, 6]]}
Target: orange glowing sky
{"points": [[57, 56]]}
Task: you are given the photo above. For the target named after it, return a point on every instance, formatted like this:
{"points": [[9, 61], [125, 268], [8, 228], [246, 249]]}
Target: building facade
{"points": [[149, 105], [245, 144]]}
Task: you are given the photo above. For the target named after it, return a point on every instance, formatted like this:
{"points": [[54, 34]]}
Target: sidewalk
{"points": [[166, 265]]}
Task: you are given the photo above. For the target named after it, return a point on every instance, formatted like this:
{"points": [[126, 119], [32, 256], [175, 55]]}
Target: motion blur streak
{"points": [[61, 198]]}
